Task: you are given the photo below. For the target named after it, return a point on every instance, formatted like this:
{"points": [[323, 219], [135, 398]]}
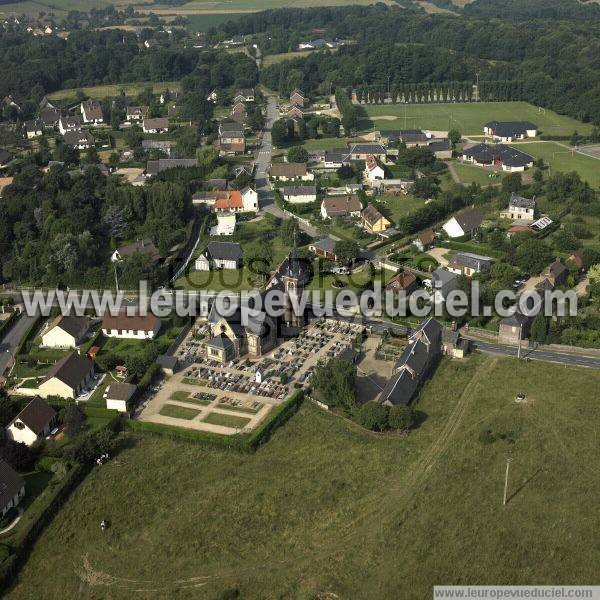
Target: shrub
{"points": [[373, 416], [401, 417]]}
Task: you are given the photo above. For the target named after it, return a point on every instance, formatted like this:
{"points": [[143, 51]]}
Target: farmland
{"points": [[99, 92], [327, 507], [468, 118]]}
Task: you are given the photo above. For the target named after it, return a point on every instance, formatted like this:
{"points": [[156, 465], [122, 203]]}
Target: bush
{"points": [[373, 416], [401, 417]]}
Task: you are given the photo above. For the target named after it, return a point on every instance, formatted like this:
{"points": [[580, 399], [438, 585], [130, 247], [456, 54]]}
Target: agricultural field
{"points": [[326, 509], [561, 158], [467, 118], [99, 92], [273, 59], [60, 8]]}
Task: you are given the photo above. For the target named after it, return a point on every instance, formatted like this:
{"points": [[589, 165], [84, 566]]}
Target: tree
{"points": [[454, 136], [346, 250], [289, 229], [297, 154], [512, 183], [73, 419], [539, 328], [334, 384], [373, 415], [279, 132], [533, 255], [401, 417]]}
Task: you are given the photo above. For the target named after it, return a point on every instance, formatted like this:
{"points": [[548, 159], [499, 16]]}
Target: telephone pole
{"points": [[116, 277], [506, 480]]}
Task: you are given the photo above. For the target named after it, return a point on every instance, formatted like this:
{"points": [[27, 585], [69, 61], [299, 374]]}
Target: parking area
{"points": [[226, 399]]}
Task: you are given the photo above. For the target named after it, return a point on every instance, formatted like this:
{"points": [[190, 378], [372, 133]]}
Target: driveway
{"points": [[438, 254], [11, 340]]}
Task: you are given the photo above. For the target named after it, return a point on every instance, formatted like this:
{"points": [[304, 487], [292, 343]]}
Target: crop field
{"points": [[326, 509], [468, 118]]}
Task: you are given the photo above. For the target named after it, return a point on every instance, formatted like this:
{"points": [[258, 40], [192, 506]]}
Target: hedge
{"points": [[474, 248], [241, 442], [6, 325], [31, 330]]}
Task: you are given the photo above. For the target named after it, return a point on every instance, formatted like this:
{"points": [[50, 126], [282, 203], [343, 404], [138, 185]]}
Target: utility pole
{"points": [[116, 277], [388, 78], [520, 336], [506, 480]]}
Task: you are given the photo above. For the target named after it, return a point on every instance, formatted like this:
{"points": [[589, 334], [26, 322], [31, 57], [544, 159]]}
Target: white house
{"points": [[68, 378], [117, 395], [341, 206], [250, 200], [91, 112], [519, 209], [136, 113], [158, 125], [34, 128], [466, 222], [69, 124], [135, 326], [65, 332], [300, 194], [79, 139], [507, 131], [33, 422], [290, 171], [12, 487], [373, 170], [220, 255]]}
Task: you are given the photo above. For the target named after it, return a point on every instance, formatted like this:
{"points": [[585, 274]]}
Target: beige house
{"points": [[136, 326], [118, 395], [33, 422], [68, 377], [65, 332]]}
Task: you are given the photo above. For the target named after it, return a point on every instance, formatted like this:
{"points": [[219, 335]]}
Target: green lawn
{"points": [[178, 412], [469, 174], [469, 118], [273, 59], [226, 420], [100, 92], [395, 207], [325, 509], [560, 158], [180, 395], [353, 282]]}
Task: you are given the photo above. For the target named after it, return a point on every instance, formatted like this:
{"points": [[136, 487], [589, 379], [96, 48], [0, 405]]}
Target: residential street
{"points": [[11, 340]]}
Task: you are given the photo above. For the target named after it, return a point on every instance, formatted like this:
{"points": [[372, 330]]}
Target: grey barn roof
{"points": [[510, 128], [224, 251], [521, 202]]}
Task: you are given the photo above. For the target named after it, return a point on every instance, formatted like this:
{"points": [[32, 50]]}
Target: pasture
{"points": [[326, 509], [99, 92], [467, 118]]}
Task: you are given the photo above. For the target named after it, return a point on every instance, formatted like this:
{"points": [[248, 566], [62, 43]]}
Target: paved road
{"points": [[11, 340]]}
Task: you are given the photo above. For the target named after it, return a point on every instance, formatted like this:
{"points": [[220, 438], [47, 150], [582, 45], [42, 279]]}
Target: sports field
{"points": [[562, 158], [468, 118], [327, 510]]}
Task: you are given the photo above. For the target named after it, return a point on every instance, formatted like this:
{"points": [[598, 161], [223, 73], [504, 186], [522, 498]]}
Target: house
{"points": [[415, 364], [91, 112], [4, 183], [465, 263], [65, 332], [508, 131], [145, 247], [134, 326], [162, 145], [324, 248], [576, 258], [424, 240], [5, 157], [290, 171], [317, 44], [119, 395], [244, 95], [300, 194], [50, 116], [464, 223], [34, 128], [556, 273], [68, 377], [362, 151], [66, 124], [153, 167], [35, 421], [336, 158], [519, 209], [295, 112], [297, 97], [79, 139], [341, 206], [225, 224], [373, 221], [513, 328], [136, 113], [442, 149], [249, 199], [232, 139], [12, 488], [404, 281], [373, 170], [229, 202], [498, 156], [442, 283], [239, 113], [158, 125], [220, 255], [453, 344], [409, 137], [245, 170], [168, 364]]}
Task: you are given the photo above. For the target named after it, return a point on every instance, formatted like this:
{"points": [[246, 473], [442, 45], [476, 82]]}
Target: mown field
{"points": [[99, 92], [467, 118], [60, 8], [328, 510]]}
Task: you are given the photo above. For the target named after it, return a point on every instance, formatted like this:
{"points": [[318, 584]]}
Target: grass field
{"points": [[468, 118], [106, 91], [325, 509], [203, 22], [216, 418], [178, 412], [396, 207], [273, 59], [470, 174], [560, 158]]}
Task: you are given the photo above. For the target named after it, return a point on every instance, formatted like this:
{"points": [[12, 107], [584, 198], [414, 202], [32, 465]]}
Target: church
{"points": [[231, 339]]}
